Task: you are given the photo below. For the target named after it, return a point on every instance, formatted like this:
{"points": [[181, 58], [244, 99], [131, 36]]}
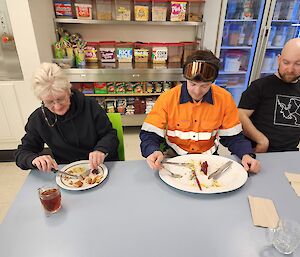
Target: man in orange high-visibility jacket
{"points": [[193, 116]]}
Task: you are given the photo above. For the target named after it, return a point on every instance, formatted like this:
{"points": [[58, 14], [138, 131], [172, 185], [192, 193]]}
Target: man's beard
{"points": [[288, 79]]}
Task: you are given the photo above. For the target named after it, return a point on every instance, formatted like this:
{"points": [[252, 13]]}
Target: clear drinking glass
{"points": [[50, 198], [285, 237]]}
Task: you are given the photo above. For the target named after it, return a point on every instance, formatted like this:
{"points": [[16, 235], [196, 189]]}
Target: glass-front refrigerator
{"points": [[282, 24], [239, 29]]}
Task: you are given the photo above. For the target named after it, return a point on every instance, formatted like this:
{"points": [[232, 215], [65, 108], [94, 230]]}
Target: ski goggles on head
{"points": [[201, 71]]}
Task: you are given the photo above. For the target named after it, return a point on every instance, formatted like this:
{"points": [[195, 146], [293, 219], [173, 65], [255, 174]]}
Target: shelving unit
{"points": [[131, 72]]}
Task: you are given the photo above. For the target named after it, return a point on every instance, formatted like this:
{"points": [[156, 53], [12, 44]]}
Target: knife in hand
{"points": [[220, 170]]}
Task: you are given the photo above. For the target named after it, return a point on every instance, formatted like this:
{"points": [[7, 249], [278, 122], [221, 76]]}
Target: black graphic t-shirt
{"points": [[276, 106]]}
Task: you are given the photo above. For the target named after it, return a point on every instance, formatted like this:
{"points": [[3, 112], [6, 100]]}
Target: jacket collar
{"points": [[185, 96]]}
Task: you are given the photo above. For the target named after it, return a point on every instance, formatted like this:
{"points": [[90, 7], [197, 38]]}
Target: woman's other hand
{"points": [[45, 163]]}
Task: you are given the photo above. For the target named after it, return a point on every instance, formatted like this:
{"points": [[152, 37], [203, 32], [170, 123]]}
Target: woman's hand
{"points": [[45, 163], [154, 160], [96, 158]]}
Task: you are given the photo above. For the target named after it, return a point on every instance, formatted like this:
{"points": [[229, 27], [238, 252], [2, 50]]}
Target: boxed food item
{"points": [[124, 52], [63, 8], [87, 88], [107, 51], [110, 105], [128, 87], [159, 10], [141, 10], [138, 88], [121, 105], [159, 53], [123, 10], [100, 87], [83, 11], [178, 11], [104, 10], [141, 53], [110, 87], [90, 52], [120, 88]]}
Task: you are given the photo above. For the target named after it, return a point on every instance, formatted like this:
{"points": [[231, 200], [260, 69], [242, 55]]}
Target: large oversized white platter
{"points": [[63, 183], [233, 178]]}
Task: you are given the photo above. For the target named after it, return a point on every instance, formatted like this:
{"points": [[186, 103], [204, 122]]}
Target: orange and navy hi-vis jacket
{"points": [[191, 127]]}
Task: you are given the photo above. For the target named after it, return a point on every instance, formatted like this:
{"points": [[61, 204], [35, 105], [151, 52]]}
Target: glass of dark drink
{"points": [[50, 197]]}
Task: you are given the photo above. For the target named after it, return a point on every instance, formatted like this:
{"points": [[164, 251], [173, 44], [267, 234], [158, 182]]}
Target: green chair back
{"points": [[115, 119]]}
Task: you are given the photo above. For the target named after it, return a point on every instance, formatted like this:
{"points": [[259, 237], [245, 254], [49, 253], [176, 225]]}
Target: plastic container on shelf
{"points": [[247, 12], [195, 10], [159, 53], [159, 10], [178, 11], [233, 61], [189, 48], [175, 52], [104, 10], [83, 9], [107, 51], [65, 63], [280, 36], [141, 53], [268, 61], [142, 10], [63, 8], [234, 34], [124, 51], [232, 7], [123, 10], [90, 52], [272, 35]]}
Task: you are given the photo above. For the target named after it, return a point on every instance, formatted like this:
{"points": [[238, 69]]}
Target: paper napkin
{"points": [[294, 179], [263, 212]]}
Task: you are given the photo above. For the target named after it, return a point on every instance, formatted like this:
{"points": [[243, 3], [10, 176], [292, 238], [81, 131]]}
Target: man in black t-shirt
{"points": [[270, 107]]}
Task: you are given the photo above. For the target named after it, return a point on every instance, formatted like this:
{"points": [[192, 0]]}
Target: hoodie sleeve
{"points": [[107, 136], [30, 147]]}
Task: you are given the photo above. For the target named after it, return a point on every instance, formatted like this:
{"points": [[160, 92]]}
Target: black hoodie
{"points": [[84, 128]]}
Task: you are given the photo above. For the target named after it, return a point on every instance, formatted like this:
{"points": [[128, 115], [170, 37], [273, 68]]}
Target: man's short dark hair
{"points": [[203, 55]]}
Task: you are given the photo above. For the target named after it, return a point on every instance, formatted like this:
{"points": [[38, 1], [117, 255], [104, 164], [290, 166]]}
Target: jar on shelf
{"points": [[107, 51], [189, 48], [123, 10], [83, 9], [175, 51], [90, 52], [159, 10], [104, 10], [63, 8], [195, 10], [178, 11], [159, 53], [141, 53], [124, 51], [142, 10]]}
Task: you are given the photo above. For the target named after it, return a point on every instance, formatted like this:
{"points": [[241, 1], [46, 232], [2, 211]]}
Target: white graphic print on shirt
{"points": [[287, 111]]}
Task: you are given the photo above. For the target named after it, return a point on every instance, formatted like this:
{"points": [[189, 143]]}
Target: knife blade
{"points": [[177, 163], [220, 170], [64, 173]]}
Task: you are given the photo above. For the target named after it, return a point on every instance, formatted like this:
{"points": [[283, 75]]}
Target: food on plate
{"points": [[93, 177], [201, 171]]}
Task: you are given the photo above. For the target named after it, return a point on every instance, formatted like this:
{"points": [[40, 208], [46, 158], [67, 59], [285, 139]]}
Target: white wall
{"points": [[211, 16]]}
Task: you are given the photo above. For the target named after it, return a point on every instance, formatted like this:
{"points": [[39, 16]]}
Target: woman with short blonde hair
{"points": [[74, 127]]}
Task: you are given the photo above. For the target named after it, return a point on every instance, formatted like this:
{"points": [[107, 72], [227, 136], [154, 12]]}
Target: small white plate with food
{"points": [[233, 178], [85, 180]]}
